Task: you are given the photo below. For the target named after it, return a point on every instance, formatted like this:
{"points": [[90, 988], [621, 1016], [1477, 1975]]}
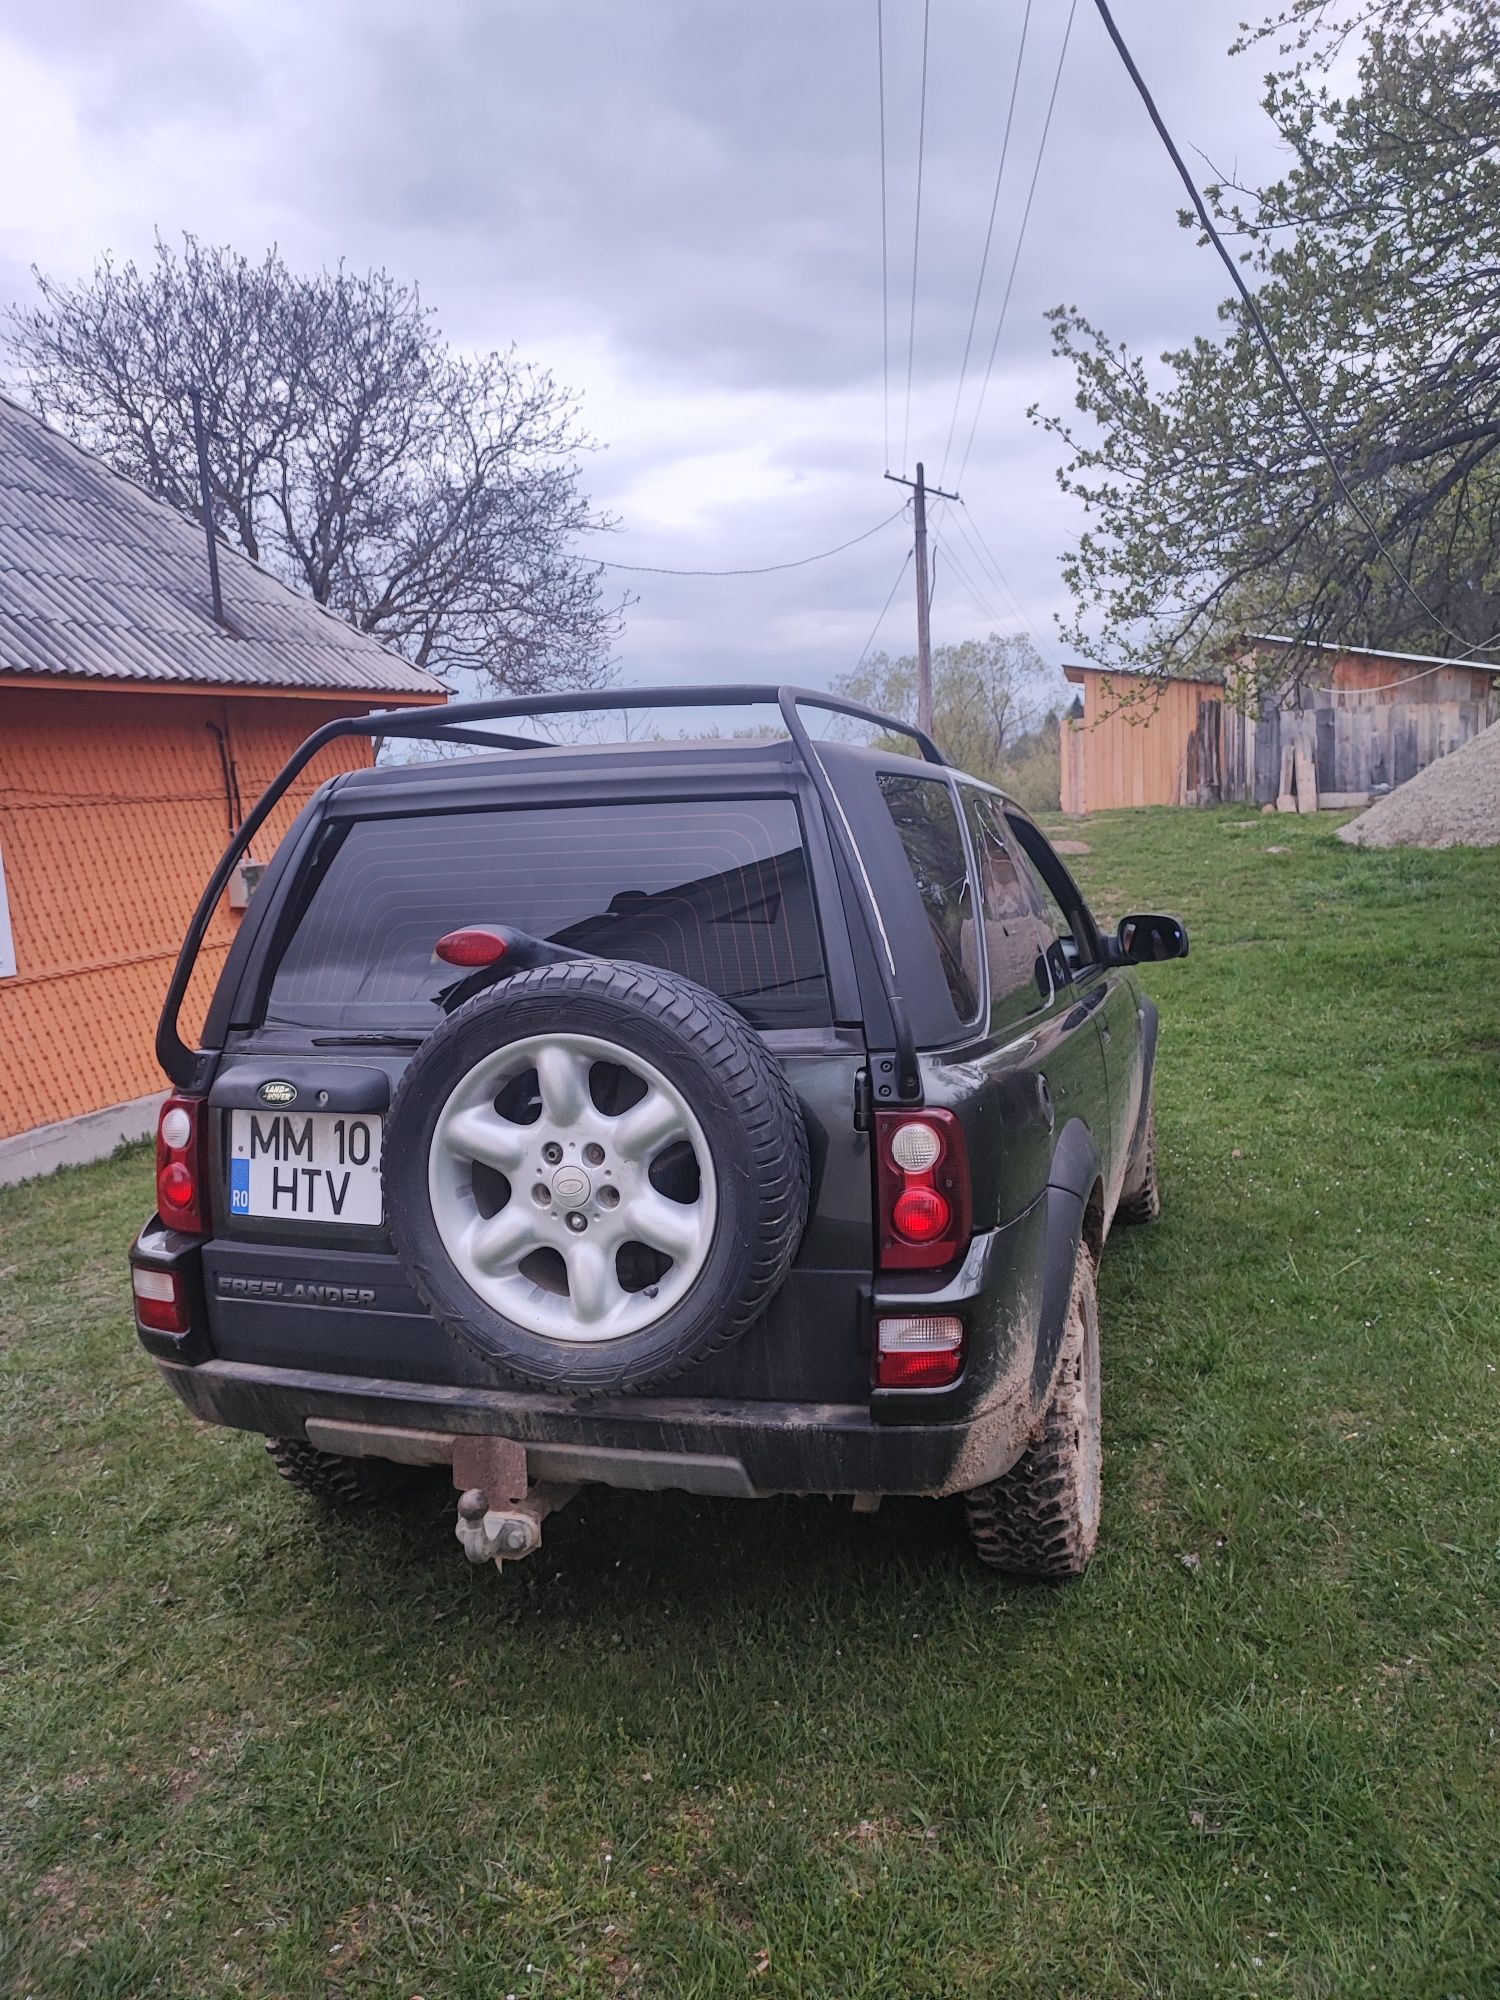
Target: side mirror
{"points": [[1143, 940]]}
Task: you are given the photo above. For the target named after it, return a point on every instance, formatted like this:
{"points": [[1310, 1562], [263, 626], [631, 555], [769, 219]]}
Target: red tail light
{"points": [[182, 1165], [921, 1215], [922, 1173], [475, 946]]}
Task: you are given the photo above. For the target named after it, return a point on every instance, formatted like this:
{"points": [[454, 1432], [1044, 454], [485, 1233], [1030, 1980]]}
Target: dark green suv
{"points": [[741, 1117]]}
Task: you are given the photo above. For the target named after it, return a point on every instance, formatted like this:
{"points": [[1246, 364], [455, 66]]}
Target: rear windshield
{"points": [[716, 890]]}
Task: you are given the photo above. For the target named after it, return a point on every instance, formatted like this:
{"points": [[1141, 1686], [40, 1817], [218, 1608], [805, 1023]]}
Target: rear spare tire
{"points": [[595, 1175]]}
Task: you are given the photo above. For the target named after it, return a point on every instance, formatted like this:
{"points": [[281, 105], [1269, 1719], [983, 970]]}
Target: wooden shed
{"points": [[135, 730], [1352, 728]]}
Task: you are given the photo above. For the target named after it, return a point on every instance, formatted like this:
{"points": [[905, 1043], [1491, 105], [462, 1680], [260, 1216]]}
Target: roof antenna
{"points": [[205, 494]]}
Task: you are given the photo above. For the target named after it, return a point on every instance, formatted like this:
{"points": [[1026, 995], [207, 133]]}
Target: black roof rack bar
{"points": [[487, 739], [189, 1068], [436, 722]]}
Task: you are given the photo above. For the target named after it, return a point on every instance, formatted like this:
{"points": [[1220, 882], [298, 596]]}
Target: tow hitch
{"points": [[500, 1513]]}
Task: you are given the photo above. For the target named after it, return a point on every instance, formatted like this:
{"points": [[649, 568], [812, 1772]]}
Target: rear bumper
{"points": [[738, 1448], [701, 1439]]}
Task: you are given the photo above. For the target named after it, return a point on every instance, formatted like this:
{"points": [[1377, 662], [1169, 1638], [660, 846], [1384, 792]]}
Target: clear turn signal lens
{"points": [[916, 1148]]}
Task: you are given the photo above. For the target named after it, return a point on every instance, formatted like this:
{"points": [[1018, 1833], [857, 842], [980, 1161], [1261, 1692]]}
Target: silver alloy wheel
{"points": [[580, 1187]]}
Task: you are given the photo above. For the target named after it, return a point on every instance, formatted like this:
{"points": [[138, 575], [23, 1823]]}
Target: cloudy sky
{"points": [[675, 205]]}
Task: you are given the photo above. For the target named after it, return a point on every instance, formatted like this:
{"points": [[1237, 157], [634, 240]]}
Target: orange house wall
{"points": [[112, 816]]}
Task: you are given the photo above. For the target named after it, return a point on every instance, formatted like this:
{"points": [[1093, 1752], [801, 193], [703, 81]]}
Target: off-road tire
{"points": [[1041, 1520], [751, 1120], [338, 1482], [1141, 1201]]}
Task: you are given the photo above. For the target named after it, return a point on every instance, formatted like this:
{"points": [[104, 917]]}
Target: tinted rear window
{"points": [[718, 891]]}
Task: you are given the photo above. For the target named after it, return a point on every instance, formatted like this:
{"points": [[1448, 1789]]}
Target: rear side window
{"points": [[717, 890], [1015, 938], [927, 821]]}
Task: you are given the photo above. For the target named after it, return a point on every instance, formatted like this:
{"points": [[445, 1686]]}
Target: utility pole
{"points": [[920, 490]]}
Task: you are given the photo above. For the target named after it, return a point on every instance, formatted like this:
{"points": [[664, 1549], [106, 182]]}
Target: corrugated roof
{"points": [[99, 579], [1373, 652]]}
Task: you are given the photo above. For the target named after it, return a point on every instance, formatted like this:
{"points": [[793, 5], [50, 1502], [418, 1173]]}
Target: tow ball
{"points": [[500, 1512]]}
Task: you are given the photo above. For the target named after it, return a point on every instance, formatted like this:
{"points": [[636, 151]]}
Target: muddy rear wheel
{"points": [[1041, 1519]]}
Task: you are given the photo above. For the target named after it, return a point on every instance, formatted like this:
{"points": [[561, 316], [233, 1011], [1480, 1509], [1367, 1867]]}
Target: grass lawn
{"points": [[776, 1749]]}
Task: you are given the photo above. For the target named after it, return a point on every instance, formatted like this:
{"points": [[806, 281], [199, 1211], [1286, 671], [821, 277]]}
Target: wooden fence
{"points": [[1332, 754]]}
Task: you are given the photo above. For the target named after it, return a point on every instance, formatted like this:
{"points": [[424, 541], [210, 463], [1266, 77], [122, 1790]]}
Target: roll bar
{"points": [[458, 723]]}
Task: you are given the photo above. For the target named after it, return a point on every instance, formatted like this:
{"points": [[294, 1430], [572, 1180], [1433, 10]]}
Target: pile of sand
{"points": [[1453, 803]]}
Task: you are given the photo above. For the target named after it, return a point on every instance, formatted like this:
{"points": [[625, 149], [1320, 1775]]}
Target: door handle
{"points": [[1104, 1030]]}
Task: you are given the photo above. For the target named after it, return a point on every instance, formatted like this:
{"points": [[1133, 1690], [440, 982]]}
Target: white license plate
{"points": [[305, 1166]]}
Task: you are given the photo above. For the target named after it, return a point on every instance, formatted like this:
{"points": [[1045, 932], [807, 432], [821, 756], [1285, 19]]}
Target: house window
{"points": [[7, 937]]}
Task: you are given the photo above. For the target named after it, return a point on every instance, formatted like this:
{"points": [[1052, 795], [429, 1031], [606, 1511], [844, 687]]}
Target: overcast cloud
{"points": [[675, 207]]}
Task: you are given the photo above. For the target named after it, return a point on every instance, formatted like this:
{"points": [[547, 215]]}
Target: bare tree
{"points": [[431, 498]]}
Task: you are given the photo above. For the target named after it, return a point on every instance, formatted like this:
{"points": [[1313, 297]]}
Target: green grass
{"points": [[714, 1748]]}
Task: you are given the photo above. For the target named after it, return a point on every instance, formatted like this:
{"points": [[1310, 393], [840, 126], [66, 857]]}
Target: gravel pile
{"points": [[1453, 803]]}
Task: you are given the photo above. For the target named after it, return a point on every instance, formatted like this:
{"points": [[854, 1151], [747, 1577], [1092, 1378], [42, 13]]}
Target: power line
{"points": [[1004, 581], [762, 569], [979, 597], [989, 567], [1062, 57], [885, 279], [984, 261], [1253, 311], [916, 236], [1006, 595], [1010, 619], [884, 609], [1384, 687]]}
